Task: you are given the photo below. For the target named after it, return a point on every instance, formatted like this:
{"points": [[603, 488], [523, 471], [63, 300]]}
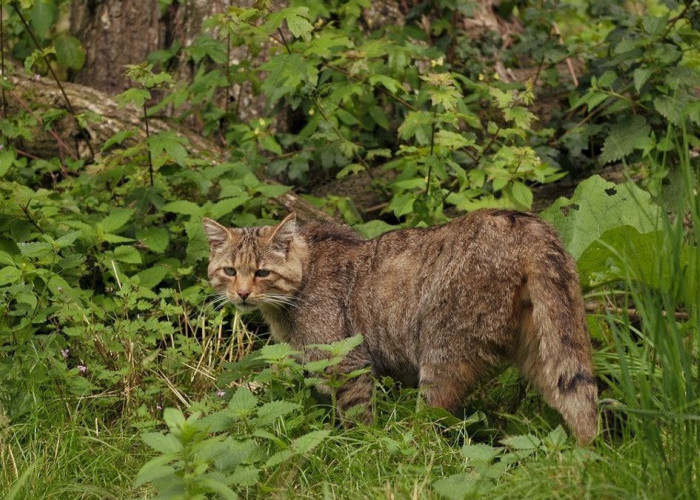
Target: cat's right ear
{"points": [[216, 233]]}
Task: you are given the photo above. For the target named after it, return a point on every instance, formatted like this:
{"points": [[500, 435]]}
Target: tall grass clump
{"points": [[657, 340]]}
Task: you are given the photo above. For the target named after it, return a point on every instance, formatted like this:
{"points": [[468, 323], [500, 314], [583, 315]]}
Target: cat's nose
{"points": [[244, 294]]}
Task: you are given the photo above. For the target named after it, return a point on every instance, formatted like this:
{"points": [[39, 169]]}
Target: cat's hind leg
{"points": [[445, 384]]}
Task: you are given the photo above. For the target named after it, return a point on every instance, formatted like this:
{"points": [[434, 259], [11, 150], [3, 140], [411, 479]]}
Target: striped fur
{"points": [[438, 307]]}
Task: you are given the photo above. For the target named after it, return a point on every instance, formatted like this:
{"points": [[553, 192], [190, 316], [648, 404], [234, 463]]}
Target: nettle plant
{"points": [[385, 104]]}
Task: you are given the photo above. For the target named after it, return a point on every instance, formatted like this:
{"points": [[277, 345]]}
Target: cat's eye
{"points": [[229, 271], [261, 273]]}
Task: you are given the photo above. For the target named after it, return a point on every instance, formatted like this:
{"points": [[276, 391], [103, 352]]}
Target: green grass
{"points": [[49, 456]]}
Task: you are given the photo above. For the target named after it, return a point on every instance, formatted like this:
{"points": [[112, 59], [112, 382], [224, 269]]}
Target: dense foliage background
{"points": [[121, 126]]}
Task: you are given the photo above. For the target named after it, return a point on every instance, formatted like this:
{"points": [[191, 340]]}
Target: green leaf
{"points": [[270, 144], [416, 125], [156, 239], [279, 457], [480, 453], [243, 401], [117, 138], [245, 476], [213, 485], [379, 117], [134, 96], [402, 204], [596, 206], [274, 353], [7, 159], [116, 219], [184, 207], [340, 348], [42, 17], [59, 287], [308, 442], [155, 469], [127, 254], [452, 140], [270, 412], [522, 442], [346, 117], [461, 486], [374, 228], [150, 277], [70, 53], [227, 206], [391, 84], [272, 190], [556, 439], [671, 108], [9, 274], [298, 22], [6, 258], [171, 144], [624, 253], [630, 134], [641, 76], [173, 418], [521, 194], [287, 73], [162, 443]]}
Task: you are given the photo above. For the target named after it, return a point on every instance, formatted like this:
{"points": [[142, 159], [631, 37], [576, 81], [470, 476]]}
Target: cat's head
{"points": [[256, 266]]}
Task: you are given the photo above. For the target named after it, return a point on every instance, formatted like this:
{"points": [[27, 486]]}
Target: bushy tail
{"points": [[555, 351]]}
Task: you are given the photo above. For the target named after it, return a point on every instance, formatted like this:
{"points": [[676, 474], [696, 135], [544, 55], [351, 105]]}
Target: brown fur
{"points": [[437, 307]]}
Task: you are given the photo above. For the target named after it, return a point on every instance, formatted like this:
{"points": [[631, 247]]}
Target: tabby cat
{"points": [[437, 307]]}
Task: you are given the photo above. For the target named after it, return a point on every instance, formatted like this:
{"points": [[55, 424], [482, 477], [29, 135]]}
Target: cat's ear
{"points": [[283, 233], [216, 233]]}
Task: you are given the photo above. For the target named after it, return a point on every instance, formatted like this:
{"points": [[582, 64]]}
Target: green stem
{"points": [[432, 149], [148, 146]]}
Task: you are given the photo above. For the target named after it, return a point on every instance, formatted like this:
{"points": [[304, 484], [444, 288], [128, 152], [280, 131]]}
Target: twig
{"points": [[631, 312], [53, 74], [25, 210], [568, 59]]}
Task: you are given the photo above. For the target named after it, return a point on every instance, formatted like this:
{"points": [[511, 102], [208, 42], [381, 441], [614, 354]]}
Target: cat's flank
{"points": [[437, 307]]}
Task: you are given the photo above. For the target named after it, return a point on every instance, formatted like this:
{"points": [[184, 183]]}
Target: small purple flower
{"points": [[220, 393], [158, 406], [82, 368], [65, 353], [37, 77]]}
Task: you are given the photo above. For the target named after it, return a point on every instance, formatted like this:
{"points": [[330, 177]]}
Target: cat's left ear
{"points": [[283, 233], [216, 233]]}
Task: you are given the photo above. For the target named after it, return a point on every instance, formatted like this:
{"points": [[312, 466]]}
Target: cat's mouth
{"points": [[245, 305]]}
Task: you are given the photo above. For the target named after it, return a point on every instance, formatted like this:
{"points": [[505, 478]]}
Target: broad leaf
{"points": [[596, 206]]}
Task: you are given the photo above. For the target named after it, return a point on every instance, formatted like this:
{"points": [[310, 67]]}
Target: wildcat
{"points": [[438, 307]]}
